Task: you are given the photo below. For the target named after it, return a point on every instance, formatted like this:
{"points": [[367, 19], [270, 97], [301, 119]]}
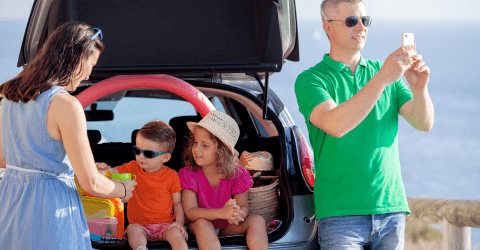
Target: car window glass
{"points": [[260, 129], [132, 113], [218, 105]]}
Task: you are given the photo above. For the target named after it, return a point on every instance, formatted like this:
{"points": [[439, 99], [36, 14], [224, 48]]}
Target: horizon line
{"points": [[443, 20]]}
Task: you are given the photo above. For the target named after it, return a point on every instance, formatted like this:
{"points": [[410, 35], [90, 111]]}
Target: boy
{"points": [[158, 189]]}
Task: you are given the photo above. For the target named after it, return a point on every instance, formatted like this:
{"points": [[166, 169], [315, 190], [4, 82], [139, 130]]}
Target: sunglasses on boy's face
{"points": [[351, 21], [147, 153]]}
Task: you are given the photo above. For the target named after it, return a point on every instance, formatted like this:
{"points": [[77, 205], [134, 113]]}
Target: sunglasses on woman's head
{"points": [[147, 153], [98, 33], [351, 21]]}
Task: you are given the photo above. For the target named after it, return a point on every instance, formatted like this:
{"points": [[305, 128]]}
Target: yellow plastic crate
{"points": [[97, 208]]}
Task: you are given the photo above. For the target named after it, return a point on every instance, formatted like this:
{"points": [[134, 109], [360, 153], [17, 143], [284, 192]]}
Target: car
{"points": [[176, 61]]}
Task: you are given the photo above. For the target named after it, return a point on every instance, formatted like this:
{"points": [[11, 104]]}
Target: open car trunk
{"points": [[194, 37]]}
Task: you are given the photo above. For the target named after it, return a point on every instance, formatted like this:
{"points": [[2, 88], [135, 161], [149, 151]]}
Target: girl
{"points": [[44, 141], [211, 178]]}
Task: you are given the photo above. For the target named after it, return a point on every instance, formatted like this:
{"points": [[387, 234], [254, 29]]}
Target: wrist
{"points": [[423, 91], [219, 214], [380, 81]]}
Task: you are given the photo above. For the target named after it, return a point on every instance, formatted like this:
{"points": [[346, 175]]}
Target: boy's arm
{"points": [[178, 209], [103, 168], [180, 216]]}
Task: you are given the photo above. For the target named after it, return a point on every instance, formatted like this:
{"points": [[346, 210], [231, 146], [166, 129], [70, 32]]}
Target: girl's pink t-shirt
{"points": [[215, 197]]}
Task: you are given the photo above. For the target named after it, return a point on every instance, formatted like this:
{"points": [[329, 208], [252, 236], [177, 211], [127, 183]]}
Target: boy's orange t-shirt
{"points": [[152, 201]]}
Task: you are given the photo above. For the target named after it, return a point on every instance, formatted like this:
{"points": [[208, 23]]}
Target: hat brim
{"points": [[193, 126]]}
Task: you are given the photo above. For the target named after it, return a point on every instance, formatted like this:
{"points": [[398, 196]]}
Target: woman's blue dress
{"points": [[40, 207]]}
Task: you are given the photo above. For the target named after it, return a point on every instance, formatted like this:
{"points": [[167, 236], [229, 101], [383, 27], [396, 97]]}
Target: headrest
{"points": [[179, 124], [134, 135], [94, 136]]}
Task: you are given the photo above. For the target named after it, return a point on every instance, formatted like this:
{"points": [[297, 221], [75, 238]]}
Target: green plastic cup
{"points": [[124, 177]]}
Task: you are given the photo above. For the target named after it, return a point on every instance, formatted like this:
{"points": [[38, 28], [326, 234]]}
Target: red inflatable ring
{"points": [[164, 82]]}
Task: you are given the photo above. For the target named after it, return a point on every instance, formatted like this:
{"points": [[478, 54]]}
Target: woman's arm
{"points": [[66, 122], [3, 164]]}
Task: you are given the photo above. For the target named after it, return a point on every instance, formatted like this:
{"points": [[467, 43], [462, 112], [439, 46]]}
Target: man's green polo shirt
{"points": [[359, 173]]}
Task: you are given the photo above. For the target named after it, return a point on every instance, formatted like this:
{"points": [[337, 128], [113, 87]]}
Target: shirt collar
{"points": [[338, 66]]}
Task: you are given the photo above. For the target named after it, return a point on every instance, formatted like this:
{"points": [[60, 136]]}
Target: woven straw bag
{"points": [[264, 201]]}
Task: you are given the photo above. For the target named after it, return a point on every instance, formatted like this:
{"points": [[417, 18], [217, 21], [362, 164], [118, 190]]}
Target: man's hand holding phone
{"points": [[418, 73], [397, 63], [406, 61]]}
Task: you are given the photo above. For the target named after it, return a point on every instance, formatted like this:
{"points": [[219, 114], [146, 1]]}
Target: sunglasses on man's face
{"points": [[351, 21], [147, 153]]}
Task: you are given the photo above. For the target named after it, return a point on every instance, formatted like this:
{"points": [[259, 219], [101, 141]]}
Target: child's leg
{"points": [[205, 234], [255, 229], [175, 238], [136, 236]]}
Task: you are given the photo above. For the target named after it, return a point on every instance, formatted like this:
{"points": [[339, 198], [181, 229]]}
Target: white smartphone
{"points": [[407, 39]]}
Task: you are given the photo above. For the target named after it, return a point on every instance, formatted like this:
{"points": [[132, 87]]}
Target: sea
{"points": [[442, 163]]}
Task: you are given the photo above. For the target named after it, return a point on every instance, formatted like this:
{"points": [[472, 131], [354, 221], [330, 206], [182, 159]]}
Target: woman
{"points": [[44, 141]]}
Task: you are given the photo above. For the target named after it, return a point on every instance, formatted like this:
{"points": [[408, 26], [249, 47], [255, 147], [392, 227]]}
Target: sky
{"points": [[15, 8], [310, 10]]}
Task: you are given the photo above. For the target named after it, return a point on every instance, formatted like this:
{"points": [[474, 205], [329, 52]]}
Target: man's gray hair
{"points": [[334, 3]]}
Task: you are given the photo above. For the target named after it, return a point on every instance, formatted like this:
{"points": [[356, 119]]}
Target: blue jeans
{"points": [[378, 231]]}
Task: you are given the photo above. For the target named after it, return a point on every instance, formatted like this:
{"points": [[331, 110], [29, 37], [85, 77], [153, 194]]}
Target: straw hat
{"points": [[220, 125], [259, 161]]}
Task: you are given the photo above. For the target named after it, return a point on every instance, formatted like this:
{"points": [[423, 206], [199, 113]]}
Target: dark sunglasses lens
{"points": [[149, 154], [351, 21], [367, 21], [136, 150]]}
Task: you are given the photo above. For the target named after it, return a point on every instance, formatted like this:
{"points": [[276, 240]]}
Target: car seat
{"points": [[179, 124]]}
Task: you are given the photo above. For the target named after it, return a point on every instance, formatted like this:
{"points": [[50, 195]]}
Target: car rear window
{"points": [[132, 112]]}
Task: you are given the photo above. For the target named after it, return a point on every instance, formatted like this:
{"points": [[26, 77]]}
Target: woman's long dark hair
{"points": [[55, 63]]}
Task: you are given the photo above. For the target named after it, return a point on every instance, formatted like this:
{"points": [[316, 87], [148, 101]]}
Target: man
{"points": [[351, 107]]}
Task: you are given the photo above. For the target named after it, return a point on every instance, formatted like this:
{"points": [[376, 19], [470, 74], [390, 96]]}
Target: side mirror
{"points": [[95, 115]]}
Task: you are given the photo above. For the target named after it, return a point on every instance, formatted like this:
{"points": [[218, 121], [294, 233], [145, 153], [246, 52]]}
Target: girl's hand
{"points": [[236, 221], [232, 212], [182, 228], [239, 217]]}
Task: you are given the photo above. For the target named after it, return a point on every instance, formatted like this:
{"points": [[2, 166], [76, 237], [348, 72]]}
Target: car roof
{"points": [[181, 36]]}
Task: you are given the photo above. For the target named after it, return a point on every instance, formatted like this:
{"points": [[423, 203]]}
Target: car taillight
{"points": [[306, 157]]}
